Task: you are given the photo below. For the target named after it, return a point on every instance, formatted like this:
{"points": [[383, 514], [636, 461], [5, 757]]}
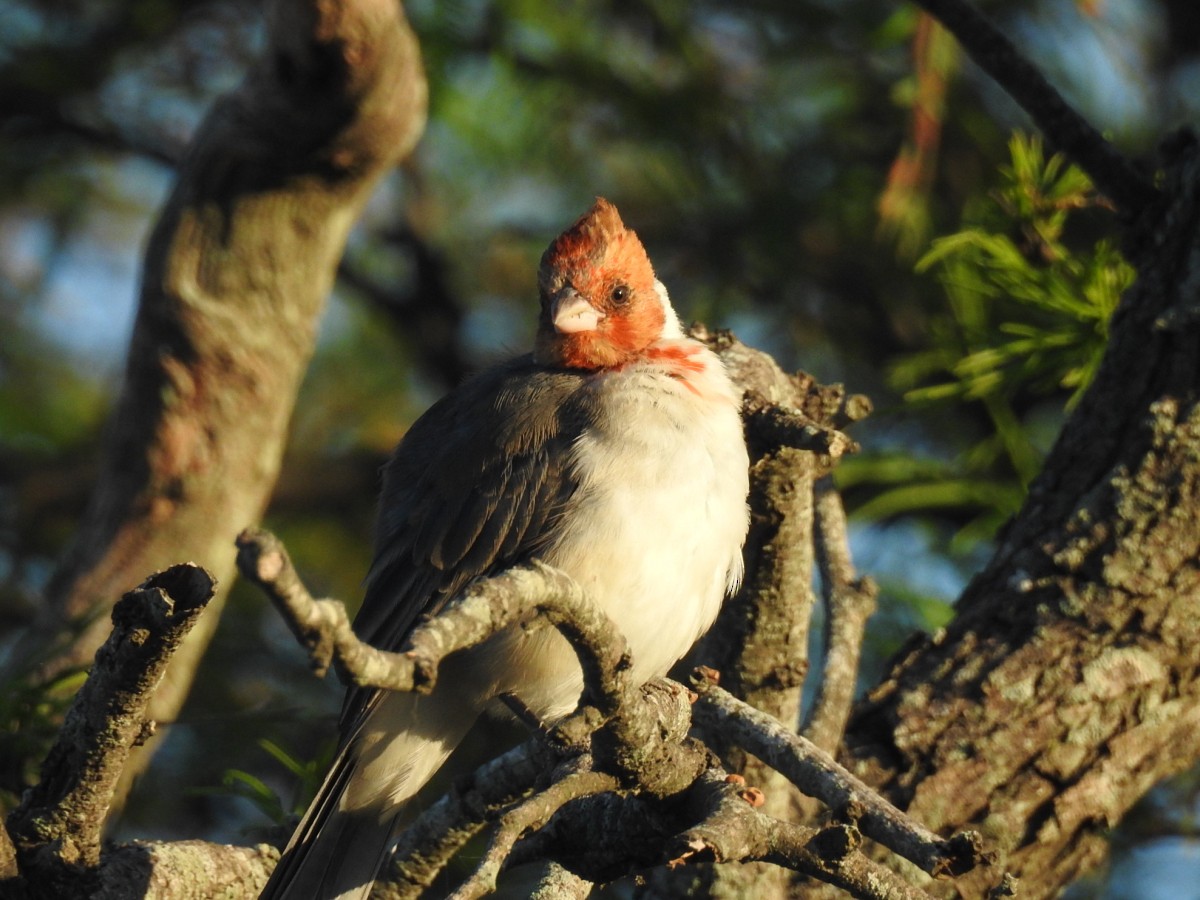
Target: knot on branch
{"points": [[166, 601], [835, 842], [962, 853]]}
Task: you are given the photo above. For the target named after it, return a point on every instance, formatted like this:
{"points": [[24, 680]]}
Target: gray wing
{"points": [[470, 490]]}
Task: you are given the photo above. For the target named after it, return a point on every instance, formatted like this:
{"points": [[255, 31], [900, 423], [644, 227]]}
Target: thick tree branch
{"points": [[765, 633], [559, 883], [58, 825], [182, 870], [1062, 125], [792, 427], [760, 640], [1065, 686]]}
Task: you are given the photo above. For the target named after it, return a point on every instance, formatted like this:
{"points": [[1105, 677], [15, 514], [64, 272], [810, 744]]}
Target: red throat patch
{"points": [[682, 359]]}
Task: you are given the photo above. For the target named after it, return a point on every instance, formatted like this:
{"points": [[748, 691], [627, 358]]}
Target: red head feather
{"points": [[603, 262]]}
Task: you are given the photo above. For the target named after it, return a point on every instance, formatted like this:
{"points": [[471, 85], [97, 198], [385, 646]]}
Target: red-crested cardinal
{"points": [[613, 452]]}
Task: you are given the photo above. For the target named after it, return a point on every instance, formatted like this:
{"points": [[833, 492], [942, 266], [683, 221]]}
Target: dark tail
{"points": [[343, 840]]}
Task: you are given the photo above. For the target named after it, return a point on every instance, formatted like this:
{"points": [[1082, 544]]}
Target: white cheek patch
{"points": [[671, 325]]}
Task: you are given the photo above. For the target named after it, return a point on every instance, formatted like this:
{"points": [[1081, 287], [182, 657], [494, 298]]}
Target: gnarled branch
{"points": [[56, 830]]}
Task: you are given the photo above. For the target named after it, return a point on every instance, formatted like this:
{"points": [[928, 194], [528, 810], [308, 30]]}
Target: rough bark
{"points": [[235, 277], [1067, 685], [56, 830]]}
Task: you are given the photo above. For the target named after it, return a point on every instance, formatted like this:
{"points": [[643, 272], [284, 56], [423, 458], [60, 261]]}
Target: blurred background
{"points": [[831, 180]]}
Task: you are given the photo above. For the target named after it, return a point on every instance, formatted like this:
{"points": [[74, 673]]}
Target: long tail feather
{"points": [[343, 840]]}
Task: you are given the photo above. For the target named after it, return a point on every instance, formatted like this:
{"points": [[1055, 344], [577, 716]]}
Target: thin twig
{"points": [[1062, 125], [484, 609], [427, 845], [731, 830], [321, 626], [849, 602], [528, 816], [817, 774]]}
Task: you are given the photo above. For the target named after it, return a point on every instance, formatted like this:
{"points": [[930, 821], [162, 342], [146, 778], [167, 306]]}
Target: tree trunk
{"points": [[1066, 686], [235, 278]]}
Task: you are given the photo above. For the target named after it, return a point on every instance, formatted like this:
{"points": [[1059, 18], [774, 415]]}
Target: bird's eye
{"points": [[619, 295]]}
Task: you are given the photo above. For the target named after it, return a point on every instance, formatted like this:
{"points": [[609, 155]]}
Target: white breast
{"points": [[655, 531]]}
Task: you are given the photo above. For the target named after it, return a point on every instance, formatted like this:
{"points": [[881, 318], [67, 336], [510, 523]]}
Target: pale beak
{"points": [[570, 313]]}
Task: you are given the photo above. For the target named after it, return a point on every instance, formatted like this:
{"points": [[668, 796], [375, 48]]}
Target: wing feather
{"points": [[470, 490]]}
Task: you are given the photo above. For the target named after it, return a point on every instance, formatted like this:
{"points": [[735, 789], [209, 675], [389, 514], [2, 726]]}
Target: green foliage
{"points": [[307, 775], [1025, 325], [31, 713], [49, 406], [1025, 313]]}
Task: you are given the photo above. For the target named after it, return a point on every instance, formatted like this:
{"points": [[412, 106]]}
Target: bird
{"points": [[614, 451]]}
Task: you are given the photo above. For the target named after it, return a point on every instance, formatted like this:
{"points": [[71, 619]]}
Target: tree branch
{"points": [[632, 747], [731, 830], [486, 608], [530, 815], [1070, 655], [849, 602], [58, 825], [760, 641], [559, 883], [1062, 125], [182, 870], [427, 845], [235, 277], [817, 774], [772, 426]]}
